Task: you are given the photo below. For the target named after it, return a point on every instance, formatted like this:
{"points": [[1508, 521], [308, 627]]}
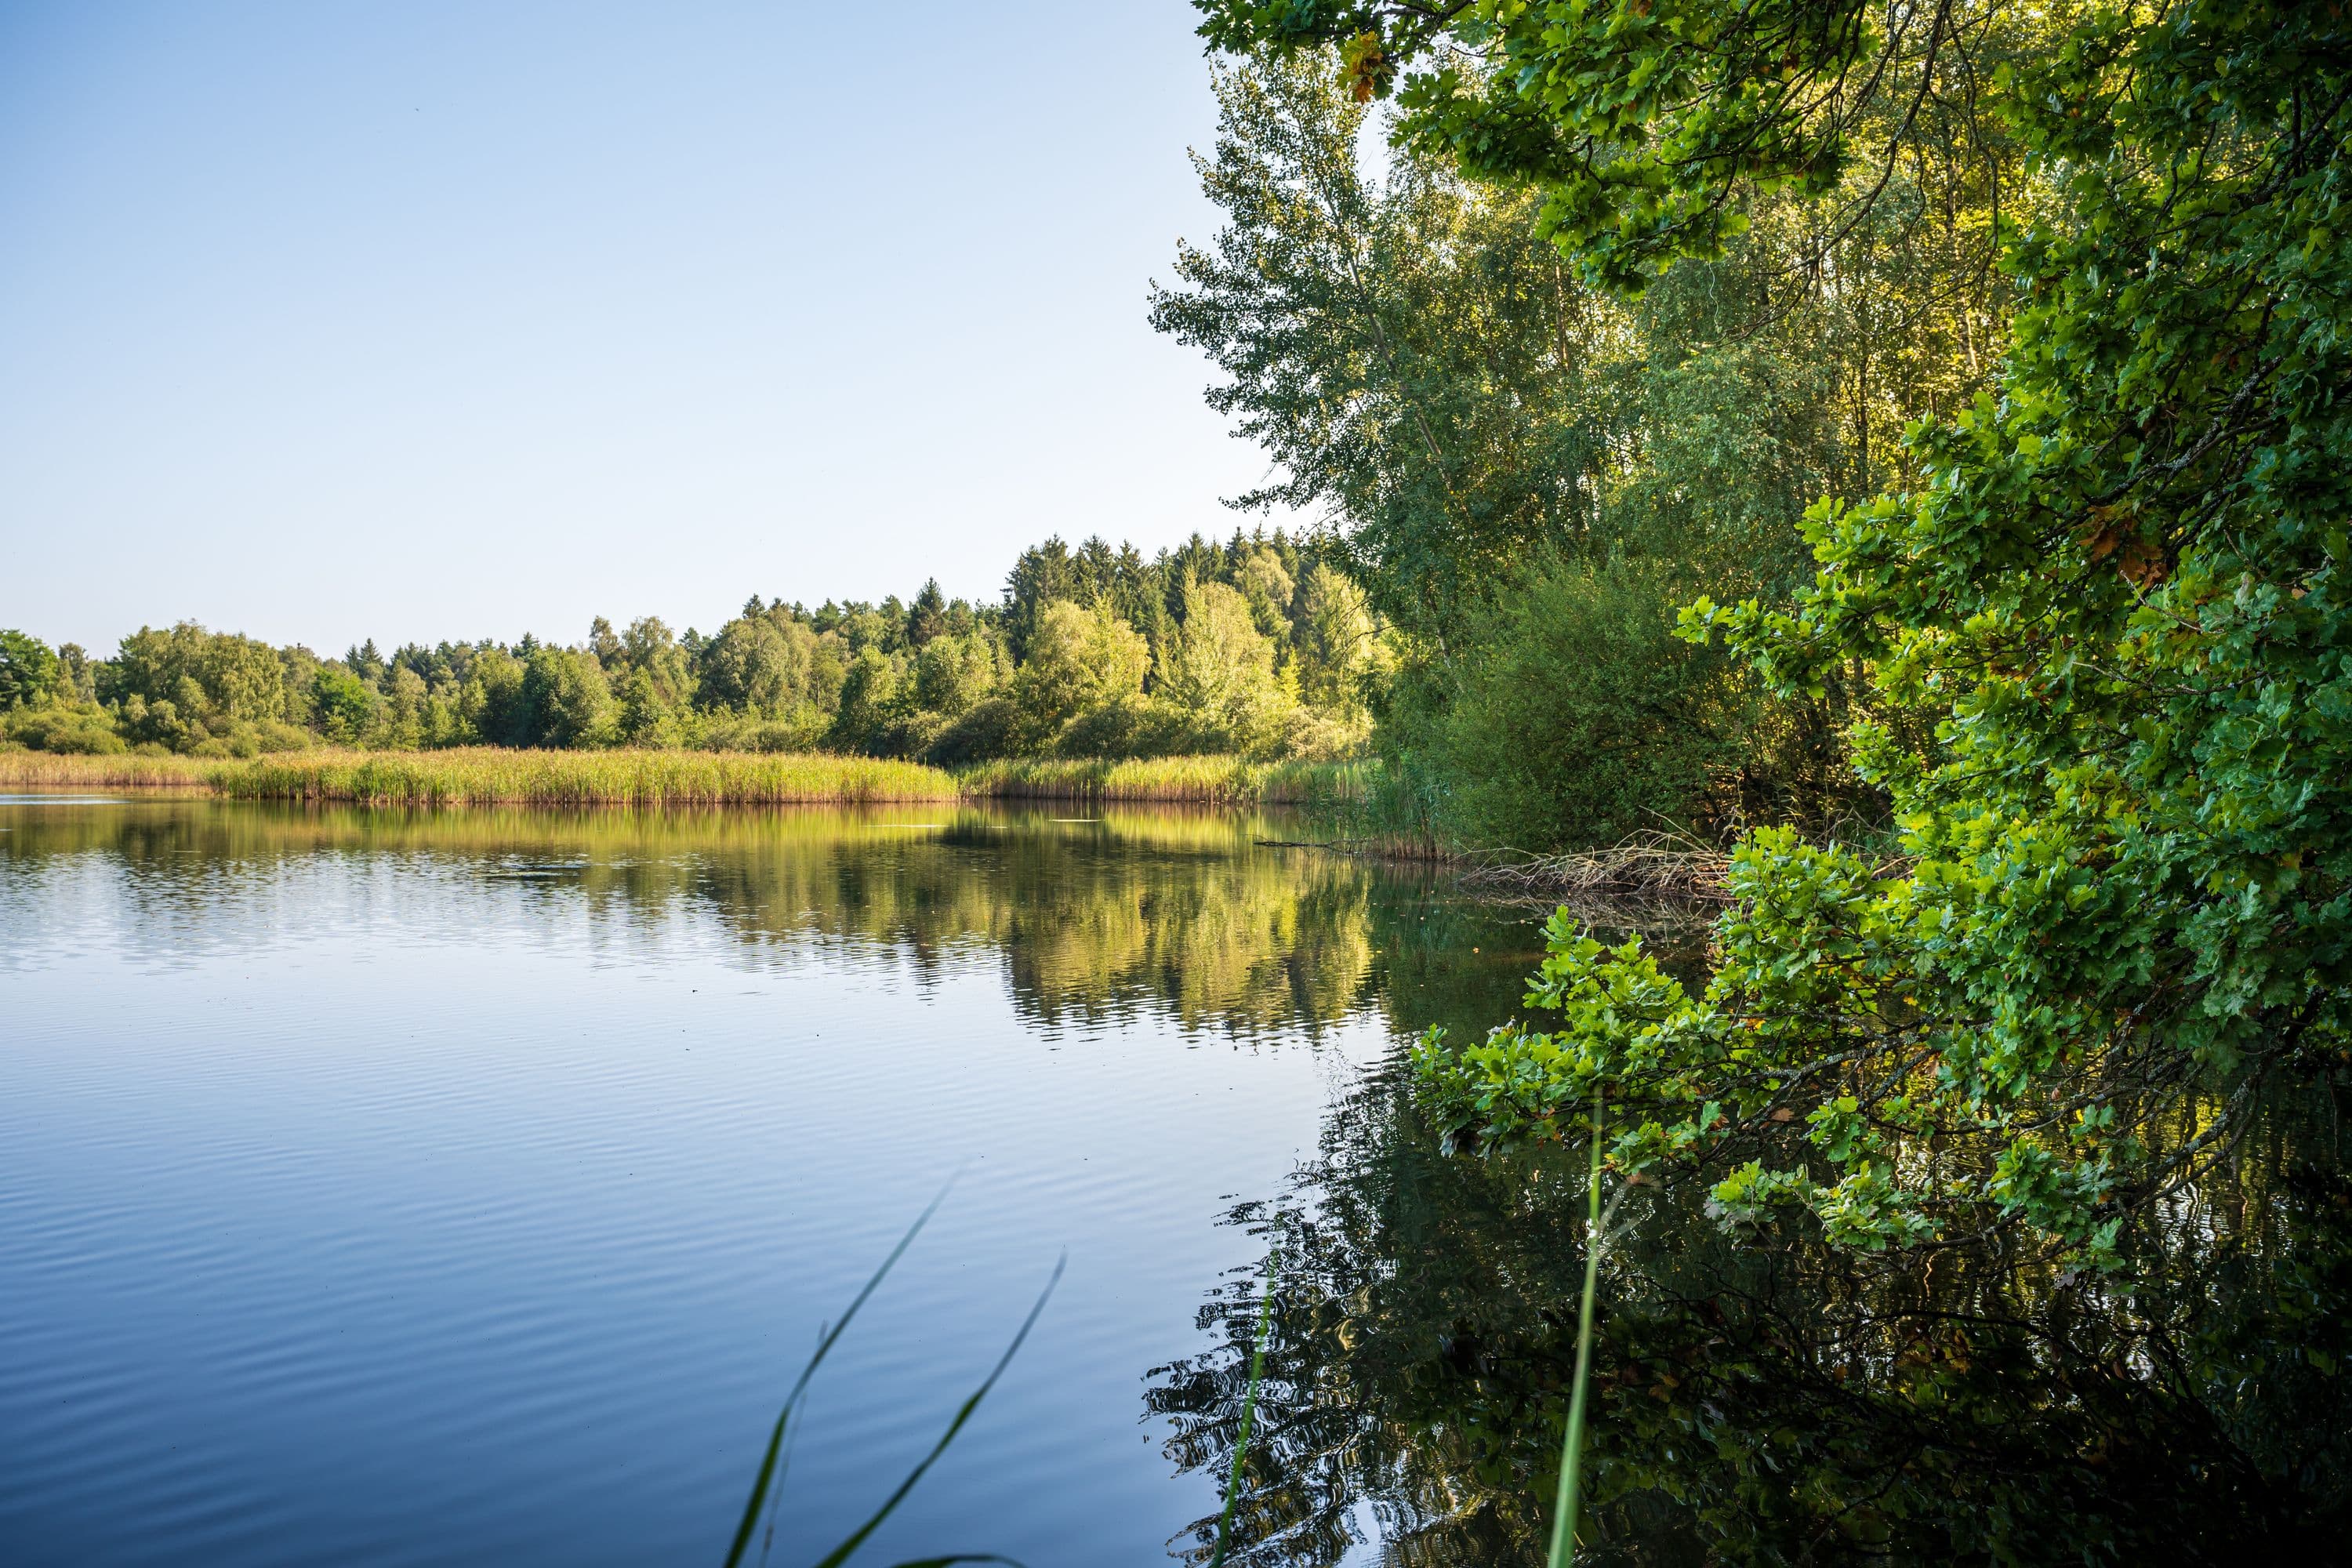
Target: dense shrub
{"points": [[85, 729]]}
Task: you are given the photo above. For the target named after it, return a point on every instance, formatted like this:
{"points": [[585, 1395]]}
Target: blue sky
{"points": [[425, 320]]}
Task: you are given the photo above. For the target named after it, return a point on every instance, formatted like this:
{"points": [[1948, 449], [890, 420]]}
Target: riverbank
{"points": [[485, 776]]}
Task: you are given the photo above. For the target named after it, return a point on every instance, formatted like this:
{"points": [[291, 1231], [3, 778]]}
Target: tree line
{"points": [[1260, 646]]}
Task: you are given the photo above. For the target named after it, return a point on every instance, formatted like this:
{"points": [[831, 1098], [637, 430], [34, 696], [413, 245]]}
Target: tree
{"points": [[751, 666], [1339, 645], [208, 678], [1471, 411], [1043, 574], [927, 617], [2124, 899], [565, 697], [647, 718], [492, 701], [1577, 715], [1223, 672], [870, 700], [345, 705], [29, 670], [1078, 659], [952, 673], [605, 644], [648, 648]]}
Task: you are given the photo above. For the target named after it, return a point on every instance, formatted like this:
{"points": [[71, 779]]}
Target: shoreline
{"points": [[480, 775]]}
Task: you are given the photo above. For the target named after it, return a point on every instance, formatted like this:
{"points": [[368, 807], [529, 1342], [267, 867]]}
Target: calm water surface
{"points": [[382, 1188], [386, 1188]]}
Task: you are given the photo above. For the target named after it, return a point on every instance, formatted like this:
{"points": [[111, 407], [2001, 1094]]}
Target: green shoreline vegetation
{"points": [[1260, 648], [486, 775], [1908, 444]]}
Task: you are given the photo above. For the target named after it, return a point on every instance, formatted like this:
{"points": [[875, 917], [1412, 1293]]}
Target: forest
{"points": [[1258, 648]]}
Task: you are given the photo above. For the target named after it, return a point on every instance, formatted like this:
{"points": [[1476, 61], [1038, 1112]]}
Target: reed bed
{"points": [[489, 775], [47, 770], [1206, 781], [486, 775]]}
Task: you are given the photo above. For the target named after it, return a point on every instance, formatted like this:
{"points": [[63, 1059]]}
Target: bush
{"points": [[1315, 735], [908, 735], [1572, 715], [87, 731], [1128, 727], [797, 731], [993, 727]]}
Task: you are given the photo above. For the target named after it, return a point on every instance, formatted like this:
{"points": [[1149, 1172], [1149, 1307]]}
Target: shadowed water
{"points": [[384, 1188]]}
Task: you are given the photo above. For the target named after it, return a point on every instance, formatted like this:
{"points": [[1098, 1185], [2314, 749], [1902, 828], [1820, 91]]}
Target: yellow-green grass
{"points": [[46, 770], [483, 775], [1214, 781]]}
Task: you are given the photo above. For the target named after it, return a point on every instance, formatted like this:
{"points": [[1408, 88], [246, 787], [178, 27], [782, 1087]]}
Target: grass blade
{"points": [[840, 1553], [1563, 1524], [766, 1476], [1249, 1408]]}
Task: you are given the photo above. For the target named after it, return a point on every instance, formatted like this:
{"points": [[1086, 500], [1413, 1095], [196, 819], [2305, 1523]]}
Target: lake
{"points": [[380, 1187], [384, 1188]]}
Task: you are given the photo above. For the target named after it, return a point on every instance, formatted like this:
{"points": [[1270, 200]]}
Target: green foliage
{"points": [[29, 670], [993, 727], [1078, 659], [345, 705], [83, 728], [760, 666], [952, 673], [189, 681], [2125, 895], [1420, 362], [1130, 726], [936, 677], [1407, 355], [1573, 714], [565, 701], [1221, 671], [1755, 1397], [1341, 660]]}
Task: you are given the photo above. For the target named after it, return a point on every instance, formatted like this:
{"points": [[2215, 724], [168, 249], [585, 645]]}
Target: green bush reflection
{"points": [[1762, 1399]]}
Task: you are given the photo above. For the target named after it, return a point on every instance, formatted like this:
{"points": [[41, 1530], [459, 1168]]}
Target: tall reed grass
{"points": [[1207, 781], [483, 775], [47, 770], [1571, 1457], [767, 1486]]}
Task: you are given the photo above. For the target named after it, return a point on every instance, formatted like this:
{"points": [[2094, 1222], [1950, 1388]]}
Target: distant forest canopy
{"points": [[1260, 646]]}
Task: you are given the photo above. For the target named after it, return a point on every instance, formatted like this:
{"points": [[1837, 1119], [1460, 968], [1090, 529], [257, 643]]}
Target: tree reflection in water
{"points": [[1759, 1398]]}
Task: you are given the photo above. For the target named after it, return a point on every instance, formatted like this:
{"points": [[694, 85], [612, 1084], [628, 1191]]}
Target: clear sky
{"points": [[425, 320]]}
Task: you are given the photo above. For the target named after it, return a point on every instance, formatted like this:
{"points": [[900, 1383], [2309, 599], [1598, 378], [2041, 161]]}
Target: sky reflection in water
{"points": [[387, 1188]]}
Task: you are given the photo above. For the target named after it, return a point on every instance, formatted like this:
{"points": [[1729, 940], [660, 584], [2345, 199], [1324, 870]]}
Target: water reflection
{"points": [[1173, 914], [507, 1161], [1761, 1399]]}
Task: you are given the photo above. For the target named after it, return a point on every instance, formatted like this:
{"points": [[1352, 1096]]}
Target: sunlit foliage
{"points": [[2107, 587]]}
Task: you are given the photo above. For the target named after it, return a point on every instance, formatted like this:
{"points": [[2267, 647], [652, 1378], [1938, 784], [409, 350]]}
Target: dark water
{"points": [[384, 1188], [398, 1188]]}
